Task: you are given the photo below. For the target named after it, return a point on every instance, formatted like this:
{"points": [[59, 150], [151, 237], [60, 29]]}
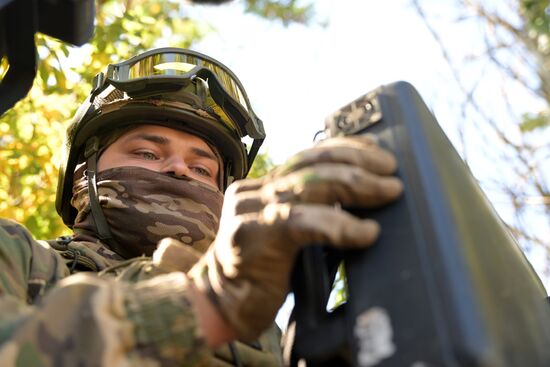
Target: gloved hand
{"points": [[173, 255], [266, 221]]}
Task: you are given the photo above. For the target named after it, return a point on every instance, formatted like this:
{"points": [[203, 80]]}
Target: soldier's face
{"points": [[162, 149]]}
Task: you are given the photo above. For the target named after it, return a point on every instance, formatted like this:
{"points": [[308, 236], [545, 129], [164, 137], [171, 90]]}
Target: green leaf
{"points": [[532, 122]]}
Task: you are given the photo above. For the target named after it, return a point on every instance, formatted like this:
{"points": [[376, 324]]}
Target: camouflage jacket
{"points": [[118, 313]]}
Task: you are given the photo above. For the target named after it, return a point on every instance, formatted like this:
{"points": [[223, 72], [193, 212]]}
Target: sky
{"points": [[295, 76]]}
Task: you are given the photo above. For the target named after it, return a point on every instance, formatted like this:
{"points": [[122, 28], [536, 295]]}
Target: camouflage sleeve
{"points": [[85, 320]]}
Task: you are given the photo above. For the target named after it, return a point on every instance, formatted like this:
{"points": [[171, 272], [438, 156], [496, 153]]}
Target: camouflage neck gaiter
{"points": [[143, 206]]}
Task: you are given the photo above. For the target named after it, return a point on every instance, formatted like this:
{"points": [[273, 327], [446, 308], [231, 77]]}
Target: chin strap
{"points": [[103, 229]]}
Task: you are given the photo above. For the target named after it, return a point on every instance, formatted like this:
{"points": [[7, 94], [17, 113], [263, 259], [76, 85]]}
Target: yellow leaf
{"points": [[23, 162], [42, 150]]}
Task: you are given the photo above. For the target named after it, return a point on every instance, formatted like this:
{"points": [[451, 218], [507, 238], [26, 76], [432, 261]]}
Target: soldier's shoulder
{"points": [[14, 235], [34, 263], [17, 242]]}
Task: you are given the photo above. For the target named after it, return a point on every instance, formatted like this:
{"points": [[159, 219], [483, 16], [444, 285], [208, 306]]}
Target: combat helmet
{"points": [[172, 87]]}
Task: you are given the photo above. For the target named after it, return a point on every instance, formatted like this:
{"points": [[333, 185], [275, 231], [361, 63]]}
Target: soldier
{"points": [[156, 273]]}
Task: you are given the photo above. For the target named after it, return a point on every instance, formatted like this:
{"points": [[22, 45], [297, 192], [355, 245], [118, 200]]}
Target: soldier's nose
{"points": [[177, 167]]}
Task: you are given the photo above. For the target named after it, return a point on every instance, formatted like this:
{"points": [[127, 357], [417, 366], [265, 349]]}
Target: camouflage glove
{"points": [[266, 221], [173, 255]]}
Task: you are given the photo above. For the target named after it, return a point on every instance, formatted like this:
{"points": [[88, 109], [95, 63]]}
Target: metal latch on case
{"points": [[354, 117]]}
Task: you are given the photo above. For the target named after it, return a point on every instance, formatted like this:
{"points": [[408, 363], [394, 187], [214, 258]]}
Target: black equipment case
{"points": [[445, 284]]}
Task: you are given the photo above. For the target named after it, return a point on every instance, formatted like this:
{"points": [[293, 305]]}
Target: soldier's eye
{"points": [[147, 155], [201, 171]]}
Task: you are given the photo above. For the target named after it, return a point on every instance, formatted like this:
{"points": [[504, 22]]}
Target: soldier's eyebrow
{"points": [[204, 153], [157, 139]]}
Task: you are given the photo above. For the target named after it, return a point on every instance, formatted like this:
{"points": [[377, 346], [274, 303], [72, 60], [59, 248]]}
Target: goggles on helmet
{"points": [[167, 69]]}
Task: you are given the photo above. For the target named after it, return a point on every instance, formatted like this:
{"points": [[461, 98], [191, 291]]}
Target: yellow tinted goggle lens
{"points": [[174, 64]]}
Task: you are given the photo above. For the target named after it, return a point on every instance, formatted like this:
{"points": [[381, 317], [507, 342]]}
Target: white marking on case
{"points": [[374, 334]]}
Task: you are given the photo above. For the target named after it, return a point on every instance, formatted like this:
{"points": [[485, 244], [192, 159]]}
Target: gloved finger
{"points": [[246, 184], [322, 184], [249, 202], [243, 197], [331, 183], [349, 150], [357, 140], [300, 225], [173, 255]]}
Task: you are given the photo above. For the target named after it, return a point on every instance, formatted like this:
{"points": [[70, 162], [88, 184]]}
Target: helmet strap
{"points": [[227, 178], [103, 229], [256, 144]]}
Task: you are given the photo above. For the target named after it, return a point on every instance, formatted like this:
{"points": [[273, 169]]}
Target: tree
{"points": [[33, 131], [505, 87]]}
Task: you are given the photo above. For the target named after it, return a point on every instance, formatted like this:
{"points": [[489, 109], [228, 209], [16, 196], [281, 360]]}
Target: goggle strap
{"points": [[97, 85], [255, 129]]}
